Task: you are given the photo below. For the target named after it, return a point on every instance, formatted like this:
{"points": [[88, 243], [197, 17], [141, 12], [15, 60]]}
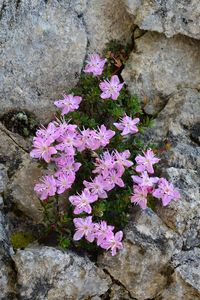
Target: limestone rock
{"points": [[3, 178], [43, 45], [179, 289], [10, 152], [181, 163], [189, 260], [22, 172], [7, 274], [21, 189], [184, 215], [107, 20], [171, 16], [178, 118], [142, 266], [160, 67], [119, 293], [55, 275], [184, 282]]}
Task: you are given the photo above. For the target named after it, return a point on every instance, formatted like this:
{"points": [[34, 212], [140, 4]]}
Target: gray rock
{"points": [[55, 275], [183, 215], [119, 293], [79, 6], [184, 282], [43, 45], [171, 16], [178, 289], [107, 20], [38, 67], [178, 118], [23, 172], [189, 260], [21, 189], [141, 267], [181, 163], [10, 152], [159, 67], [1, 202], [7, 274], [3, 178]]}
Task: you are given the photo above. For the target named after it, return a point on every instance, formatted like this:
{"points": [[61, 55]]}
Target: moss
{"points": [[21, 122], [21, 239]]}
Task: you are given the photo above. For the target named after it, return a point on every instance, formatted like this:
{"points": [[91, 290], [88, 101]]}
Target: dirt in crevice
{"points": [[22, 122]]}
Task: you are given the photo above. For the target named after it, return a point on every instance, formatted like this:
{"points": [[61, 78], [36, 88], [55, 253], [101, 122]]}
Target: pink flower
{"points": [[67, 165], [49, 132], [82, 139], [113, 242], [92, 142], [68, 104], [46, 188], [43, 149], [166, 192], [105, 163], [82, 202], [145, 180], [64, 182], [122, 161], [127, 125], [111, 89], [103, 135], [140, 196], [114, 178], [146, 162], [67, 143], [95, 64], [102, 231], [97, 186], [84, 227], [65, 128]]}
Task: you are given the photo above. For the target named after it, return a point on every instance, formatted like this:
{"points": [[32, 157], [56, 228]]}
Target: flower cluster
{"points": [[144, 184], [109, 169], [60, 143], [64, 140], [101, 232]]}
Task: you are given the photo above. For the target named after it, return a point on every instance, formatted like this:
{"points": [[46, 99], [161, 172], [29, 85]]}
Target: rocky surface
{"points": [[7, 273], [170, 17], [55, 275], [188, 260], [184, 282], [179, 123], [3, 178], [161, 258], [43, 47], [18, 175], [20, 191], [44, 44], [142, 266], [158, 67], [107, 20], [179, 289], [162, 262]]}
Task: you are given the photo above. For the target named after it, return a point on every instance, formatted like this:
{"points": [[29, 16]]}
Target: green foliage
{"points": [[64, 242], [93, 112], [21, 239]]}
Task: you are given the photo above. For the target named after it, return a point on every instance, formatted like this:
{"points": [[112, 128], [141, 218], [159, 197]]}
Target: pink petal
{"points": [[78, 235]]}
